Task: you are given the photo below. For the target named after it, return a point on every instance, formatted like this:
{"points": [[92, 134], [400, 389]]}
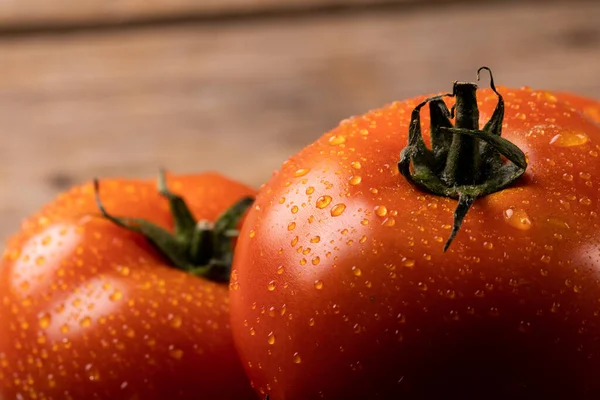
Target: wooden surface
{"points": [[40, 13], [241, 96]]}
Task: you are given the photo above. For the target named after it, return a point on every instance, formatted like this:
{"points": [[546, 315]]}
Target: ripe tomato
{"points": [[341, 288], [91, 310]]}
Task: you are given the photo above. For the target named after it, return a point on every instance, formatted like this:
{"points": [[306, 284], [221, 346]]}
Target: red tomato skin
{"points": [[341, 290], [588, 106], [90, 311]]}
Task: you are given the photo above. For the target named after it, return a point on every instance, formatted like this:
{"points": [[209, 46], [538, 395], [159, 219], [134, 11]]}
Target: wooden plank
{"points": [[240, 98], [20, 14]]}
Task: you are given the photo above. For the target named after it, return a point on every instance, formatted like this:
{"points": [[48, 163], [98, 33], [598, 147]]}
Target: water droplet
{"points": [[296, 358], [364, 222], [294, 209], [64, 328], [252, 332], [44, 320], [291, 226], [252, 233], [390, 221], [355, 180], [301, 172], [545, 258], [355, 165], [280, 269], [311, 322], [555, 307], [577, 288], [315, 239], [356, 271], [85, 322], [176, 321], [408, 263], [517, 218], [585, 175], [93, 374], [488, 245], [294, 241], [338, 209], [271, 286], [544, 272], [569, 139], [422, 286], [586, 201], [271, 338], [310, 190], [316, 261], [282, 200], [323, 201], [176, 353], [337, 140], [116, 295], [318, 284], [381, 211]]}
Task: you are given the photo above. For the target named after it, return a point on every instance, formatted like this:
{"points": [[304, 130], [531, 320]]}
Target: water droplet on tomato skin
{"points": [[517, 218], [318, 284], [323, 201], [569, 139], [271, 286], [337, 140], [271, 338], [338, 210], [301, 172], [296, 358]]}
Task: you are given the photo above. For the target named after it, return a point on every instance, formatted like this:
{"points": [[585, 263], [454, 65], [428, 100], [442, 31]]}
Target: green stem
{"points": [[467, 166], [201, 248]]}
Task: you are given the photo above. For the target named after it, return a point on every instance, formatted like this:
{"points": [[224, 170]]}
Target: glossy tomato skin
{"points": [[341, 289], [90, 311], [588, 106]]}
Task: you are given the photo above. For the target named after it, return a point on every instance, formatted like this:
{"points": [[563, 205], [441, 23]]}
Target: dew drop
{"points": [[356, 271], [44, 320], [315, 239], [294, 241], [517, 218], [390, 221], [271, 286], [408, 263], [116, 295], [356, 165], [586, 201], [355, 180], [280, 270], [301, 172], [176, 321], [323, 201], [271, 338], [318, 284], [85, 322], [294, 209], [381, 211], [569, 139], [338, 209], [310, 190], [316, 261], [488, 245], [176, 353], [337, 140], [296, 358], [291, 226], [252, 332], [311, 322]]}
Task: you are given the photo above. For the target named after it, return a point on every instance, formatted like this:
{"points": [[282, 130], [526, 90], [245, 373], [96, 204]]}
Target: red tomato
{"points": [[341, 288], [91, 310]]}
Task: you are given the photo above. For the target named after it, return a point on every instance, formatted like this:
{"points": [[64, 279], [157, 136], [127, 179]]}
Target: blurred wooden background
{"points": [[120, 87]]}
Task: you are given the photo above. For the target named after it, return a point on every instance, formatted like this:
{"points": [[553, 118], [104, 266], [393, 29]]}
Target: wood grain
{"points": [[241, 97]]}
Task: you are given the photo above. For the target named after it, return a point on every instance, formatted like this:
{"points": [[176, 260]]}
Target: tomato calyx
{"points": [[201, 248], [464, 162]]}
